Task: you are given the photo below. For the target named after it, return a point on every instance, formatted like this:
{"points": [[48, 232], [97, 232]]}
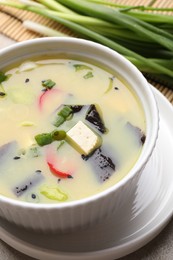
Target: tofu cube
{"points": [[83, 139]]}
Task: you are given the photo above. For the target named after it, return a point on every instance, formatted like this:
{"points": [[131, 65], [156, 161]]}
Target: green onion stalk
{"points": [[129, 30]]}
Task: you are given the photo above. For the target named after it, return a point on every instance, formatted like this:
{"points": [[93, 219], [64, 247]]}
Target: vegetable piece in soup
{"points": [[69, 130]]}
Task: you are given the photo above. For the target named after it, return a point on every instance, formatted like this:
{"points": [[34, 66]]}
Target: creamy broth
{"points": [[36, 94]]}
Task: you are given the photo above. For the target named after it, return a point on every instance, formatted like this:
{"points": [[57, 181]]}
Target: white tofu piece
{"points": [[83, 139]]}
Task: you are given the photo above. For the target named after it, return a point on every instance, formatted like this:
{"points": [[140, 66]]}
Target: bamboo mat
{"points": [[11, 25]]}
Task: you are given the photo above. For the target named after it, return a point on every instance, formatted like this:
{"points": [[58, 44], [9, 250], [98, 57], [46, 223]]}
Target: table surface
{"points": [[159, 248]]}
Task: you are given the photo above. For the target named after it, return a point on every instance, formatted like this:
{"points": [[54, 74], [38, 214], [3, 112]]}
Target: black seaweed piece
{"points": [[26, 80], [138, 132], [16, 157], [102, 164], [38, 171], [143, 138], [94, 118], [31, 181], [76, 108], [2, 94]]}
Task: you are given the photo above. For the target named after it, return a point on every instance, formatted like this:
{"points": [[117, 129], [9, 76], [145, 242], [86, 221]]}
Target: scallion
{"points": [[48, 84], [48, 138], [62, 115], [44, 139], [88, 75], [146, 39], [65, 111]]}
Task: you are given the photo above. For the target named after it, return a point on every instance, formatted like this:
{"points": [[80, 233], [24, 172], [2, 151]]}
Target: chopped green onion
{"points": [[59, 121], [44, 139], [88, 75], [63, 115], [65, 111], [58, 135], [48, 84], [48, 138], [79, 67]]}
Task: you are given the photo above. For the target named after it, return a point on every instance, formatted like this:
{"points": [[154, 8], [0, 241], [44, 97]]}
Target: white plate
{"points": [[144, 216]]}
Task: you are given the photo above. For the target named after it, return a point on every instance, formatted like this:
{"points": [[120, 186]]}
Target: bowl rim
{"points": [[146, 150]]}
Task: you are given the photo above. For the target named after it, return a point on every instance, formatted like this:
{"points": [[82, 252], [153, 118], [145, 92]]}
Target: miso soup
{"points": [[69, 129]]}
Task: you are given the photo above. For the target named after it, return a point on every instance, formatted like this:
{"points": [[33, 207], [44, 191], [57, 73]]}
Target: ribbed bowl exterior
{"points": [[67, 217]]}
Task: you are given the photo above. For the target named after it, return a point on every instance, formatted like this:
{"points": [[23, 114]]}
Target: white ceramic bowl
{"points": [[71, 215]]}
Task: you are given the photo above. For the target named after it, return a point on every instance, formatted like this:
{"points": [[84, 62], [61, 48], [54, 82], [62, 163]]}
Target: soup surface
{"points": [[69, 129]]}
